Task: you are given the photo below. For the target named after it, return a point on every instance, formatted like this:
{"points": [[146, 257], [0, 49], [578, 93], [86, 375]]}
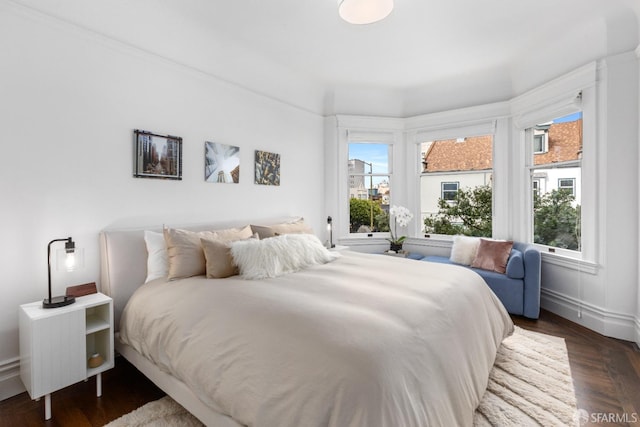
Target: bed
{"points": [[361, 340]]}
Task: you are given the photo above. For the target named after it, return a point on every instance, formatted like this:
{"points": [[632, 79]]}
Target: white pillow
{"points": [[157, 260], [464, 249], [260, 259]]}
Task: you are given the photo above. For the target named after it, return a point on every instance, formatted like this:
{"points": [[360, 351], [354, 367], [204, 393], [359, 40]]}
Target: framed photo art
{"points": [[157, 156], [267, 168], [221, 163]]}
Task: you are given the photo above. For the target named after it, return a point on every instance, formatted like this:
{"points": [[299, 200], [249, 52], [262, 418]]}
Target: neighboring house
{"points": [[557, 146], [454, 164]]}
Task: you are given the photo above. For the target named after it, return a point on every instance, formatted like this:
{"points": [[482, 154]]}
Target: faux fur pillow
{"points": [[261, 259], [493, 255], [464, 249]]}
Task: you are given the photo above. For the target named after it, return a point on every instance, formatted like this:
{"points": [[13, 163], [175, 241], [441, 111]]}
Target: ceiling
{"points": [[426, 56]]}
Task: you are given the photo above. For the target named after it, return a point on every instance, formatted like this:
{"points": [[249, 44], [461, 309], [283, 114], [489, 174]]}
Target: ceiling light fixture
{"points": [[364, 11]]}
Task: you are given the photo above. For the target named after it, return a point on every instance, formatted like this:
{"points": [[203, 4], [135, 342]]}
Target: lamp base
{"points": [[58, 301]]}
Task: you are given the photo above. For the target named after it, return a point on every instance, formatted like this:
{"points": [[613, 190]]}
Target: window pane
{"points": [[369, 158], [449, 190], [556, 176], [455, 186], [369, 189], [539, 143]]}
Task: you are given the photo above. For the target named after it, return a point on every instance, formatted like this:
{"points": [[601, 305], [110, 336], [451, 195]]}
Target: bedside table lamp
{"points": [[330, 230], [69, 248]]}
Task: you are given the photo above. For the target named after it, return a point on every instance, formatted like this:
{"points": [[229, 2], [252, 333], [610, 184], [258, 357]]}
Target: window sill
{"points": [[363, 241], [431, 242]]}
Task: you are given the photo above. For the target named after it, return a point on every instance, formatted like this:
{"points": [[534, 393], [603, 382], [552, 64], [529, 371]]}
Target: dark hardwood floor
{"points": [[606, 376]]}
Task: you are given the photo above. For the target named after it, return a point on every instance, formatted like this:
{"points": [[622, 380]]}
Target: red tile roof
{"points": [[475, 153]]}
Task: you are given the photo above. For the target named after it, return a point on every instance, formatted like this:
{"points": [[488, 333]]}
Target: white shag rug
{"points": [[530, 385]]}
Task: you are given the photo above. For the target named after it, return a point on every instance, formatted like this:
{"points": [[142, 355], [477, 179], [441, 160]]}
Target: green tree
{"points": [[556, 221], [362, 212], [469, 213]]}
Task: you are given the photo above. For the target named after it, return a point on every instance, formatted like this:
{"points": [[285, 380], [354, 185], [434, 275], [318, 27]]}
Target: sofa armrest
{"points": [[532, 267]]}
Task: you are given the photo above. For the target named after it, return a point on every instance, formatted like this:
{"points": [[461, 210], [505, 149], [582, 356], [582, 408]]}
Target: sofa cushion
{"points": [[515, 265], [493, 255]]}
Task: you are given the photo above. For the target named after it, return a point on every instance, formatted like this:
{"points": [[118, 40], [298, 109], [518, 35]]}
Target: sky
{"points": [[376, 154], [570, 118]]}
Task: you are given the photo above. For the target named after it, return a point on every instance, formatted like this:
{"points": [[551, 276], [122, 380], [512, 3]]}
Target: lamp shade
{"points": [[364, 11], [69, 248]]}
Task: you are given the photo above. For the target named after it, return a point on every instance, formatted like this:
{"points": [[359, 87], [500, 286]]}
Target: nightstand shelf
{"points": [[56, 343]]}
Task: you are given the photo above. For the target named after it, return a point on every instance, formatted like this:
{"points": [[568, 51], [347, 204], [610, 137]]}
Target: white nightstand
{"points": [[56, 344]]}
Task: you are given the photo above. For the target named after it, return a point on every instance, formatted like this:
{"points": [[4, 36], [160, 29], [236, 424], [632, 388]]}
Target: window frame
{"points": [[487, 125], [544, 146], [350, 129], [572, 187], [371, 175], [574, 91], [442, 190], [534, 169]]}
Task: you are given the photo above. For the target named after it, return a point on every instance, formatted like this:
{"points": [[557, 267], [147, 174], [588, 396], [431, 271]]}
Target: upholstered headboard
{"points": [[123, 253]]}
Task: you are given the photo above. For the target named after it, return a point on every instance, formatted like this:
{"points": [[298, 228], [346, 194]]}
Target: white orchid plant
{"points": [[401, 217]]}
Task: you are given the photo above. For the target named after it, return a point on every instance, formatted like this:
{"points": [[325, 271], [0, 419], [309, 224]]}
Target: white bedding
{"points": [[366, 340]]}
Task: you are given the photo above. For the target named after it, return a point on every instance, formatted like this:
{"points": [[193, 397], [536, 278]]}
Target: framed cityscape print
{"points": [[267, 168], [221, 163], [157, 156]]}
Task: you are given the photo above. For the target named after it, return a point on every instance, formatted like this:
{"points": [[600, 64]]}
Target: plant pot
{"points": [[396, 247]]}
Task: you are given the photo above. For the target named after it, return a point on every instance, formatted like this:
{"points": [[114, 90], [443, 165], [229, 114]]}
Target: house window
{"points": [[456, 186], [540, 140], [449, 191], [369, 187], [535, 183], [567, 184], [556, 207]]}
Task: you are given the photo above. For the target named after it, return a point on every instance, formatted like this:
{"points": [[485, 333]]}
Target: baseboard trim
{"points": [[10, 382], [609, 323]]}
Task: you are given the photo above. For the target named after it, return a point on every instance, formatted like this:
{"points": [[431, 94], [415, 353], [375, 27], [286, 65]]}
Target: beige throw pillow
{"points": [[184, 249], [219, 262], [493, 255], [296, 227]]}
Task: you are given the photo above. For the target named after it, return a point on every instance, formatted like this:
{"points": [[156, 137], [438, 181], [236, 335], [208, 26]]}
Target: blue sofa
{"points": [[519, 288]]}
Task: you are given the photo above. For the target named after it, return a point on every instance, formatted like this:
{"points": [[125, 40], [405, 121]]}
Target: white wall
{"points": [[69, 101]]}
